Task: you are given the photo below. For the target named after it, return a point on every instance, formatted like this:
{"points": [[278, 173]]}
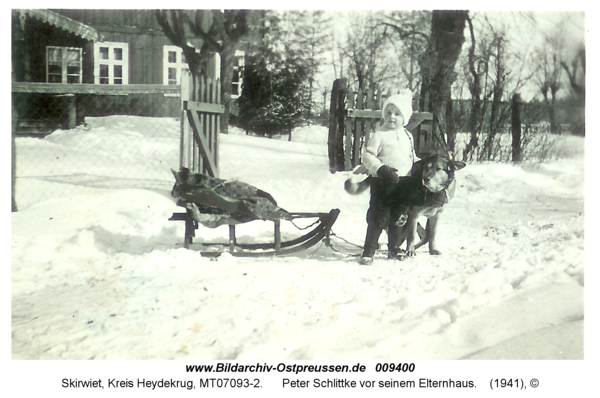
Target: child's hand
{"points": [[389, 174]]}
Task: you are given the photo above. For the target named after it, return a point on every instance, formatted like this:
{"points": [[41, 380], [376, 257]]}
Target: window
{"points": [[63, 65], [111, 64], [173, 63], [236, 80]]}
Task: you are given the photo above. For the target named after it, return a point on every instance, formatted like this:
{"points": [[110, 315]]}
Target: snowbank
{"points": [[98, 271]]}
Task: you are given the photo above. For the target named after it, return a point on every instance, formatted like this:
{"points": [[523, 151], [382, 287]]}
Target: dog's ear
{"points": [[457, 165], [418, 166], [175, 174]]}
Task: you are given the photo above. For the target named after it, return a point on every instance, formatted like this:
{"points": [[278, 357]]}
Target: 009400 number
{"points": [[392, 367]]}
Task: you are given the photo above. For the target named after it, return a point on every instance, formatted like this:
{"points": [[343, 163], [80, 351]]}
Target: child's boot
{"points": [[371, 244]]}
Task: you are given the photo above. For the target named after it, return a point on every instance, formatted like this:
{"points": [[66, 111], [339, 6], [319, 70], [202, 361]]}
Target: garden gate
{"points": [[200, 124], [354, 116]]}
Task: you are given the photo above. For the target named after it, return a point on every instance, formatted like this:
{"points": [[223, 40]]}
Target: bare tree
{"points": [[362, 48], [499, 76], [495, 69], [477, 67], [577, 82], [220, 31], [412, 30], [313, 27], [549, 58]]}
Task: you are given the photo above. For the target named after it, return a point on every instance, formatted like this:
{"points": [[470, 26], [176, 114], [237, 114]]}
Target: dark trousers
{"points": [[383, 213]]}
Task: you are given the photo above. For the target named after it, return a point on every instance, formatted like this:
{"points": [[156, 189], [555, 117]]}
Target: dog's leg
{"points": [[412, 235], [431, 231], [397, 229]]}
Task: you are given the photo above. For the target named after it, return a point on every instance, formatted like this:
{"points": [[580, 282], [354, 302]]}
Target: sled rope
{"points": [[330, 245], [345, 240], [303, 228]]}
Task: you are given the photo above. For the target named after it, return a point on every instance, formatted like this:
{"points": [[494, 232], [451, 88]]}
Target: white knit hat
{"points": [[403, 100]]}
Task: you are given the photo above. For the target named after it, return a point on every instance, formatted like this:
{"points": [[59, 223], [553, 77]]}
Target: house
{"points": [[122, 49], [97, 46]]}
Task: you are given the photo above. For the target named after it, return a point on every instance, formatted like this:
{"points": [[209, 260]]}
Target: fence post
{"points": [[331, 137], [217, 125], [370, 123], [359, 126], [14, 116], [68, 111], [200, 121], [335, 139], [184, 144], [350, 127], [516, 128]]}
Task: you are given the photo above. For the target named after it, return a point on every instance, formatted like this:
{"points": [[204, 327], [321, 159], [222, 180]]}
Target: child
{"points": [[388, 155]]}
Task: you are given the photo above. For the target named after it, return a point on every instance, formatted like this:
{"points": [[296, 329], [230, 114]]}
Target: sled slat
{"points": [[277, 233], [232, 238]]}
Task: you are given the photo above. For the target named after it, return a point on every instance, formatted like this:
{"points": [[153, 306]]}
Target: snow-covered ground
{"points": [[98, 271]]}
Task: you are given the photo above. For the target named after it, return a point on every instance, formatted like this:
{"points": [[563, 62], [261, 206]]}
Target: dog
{"points": [[429, 186]]}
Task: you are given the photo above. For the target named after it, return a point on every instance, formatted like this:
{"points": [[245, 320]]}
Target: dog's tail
{"points": [[355, 188]]}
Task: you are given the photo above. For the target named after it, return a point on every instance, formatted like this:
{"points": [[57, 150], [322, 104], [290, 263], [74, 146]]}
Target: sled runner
{"points": [[213, 202]]}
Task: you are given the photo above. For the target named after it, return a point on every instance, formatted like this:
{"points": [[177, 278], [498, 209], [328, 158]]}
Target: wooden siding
{"points": [[107, 19], [138, 28]]}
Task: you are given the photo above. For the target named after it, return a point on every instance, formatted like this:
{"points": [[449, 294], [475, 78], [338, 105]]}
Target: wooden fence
{"points": [[200, 123], [354, 116]]}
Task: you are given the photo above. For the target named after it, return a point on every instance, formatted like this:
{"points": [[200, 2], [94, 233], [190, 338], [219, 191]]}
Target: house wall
{"points": [[29, 42], [44, 112], [138, 28]]}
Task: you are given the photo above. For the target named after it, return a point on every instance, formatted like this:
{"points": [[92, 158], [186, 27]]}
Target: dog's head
{"points": [[437, 172]]}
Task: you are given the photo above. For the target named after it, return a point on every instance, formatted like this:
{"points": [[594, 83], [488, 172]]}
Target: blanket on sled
{"points": [[214, 201]]}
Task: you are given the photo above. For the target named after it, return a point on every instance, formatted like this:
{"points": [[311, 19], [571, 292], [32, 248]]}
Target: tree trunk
{"points": [[549, 101], [475, 90], [496, 103], [227, 59], [552, 116], [516, 129], [474, 129], [310, 91], [552, 113], [450, 125], [578, 88], [447, 38]]}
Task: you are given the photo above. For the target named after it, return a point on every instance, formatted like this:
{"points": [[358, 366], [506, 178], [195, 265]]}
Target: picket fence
{"points": [[200, 124], [354, 116]]}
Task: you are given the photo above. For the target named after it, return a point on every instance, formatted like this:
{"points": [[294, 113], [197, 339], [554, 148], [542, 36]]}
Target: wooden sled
{"points": [[276, 248], [212, 202]]}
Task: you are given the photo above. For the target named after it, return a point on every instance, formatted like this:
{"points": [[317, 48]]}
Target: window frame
{"points": [[179, 65], [111, 62], [238, 68], [64, 64]]}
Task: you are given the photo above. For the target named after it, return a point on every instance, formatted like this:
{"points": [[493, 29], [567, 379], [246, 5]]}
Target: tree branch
{"points": [[404, 34]]}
